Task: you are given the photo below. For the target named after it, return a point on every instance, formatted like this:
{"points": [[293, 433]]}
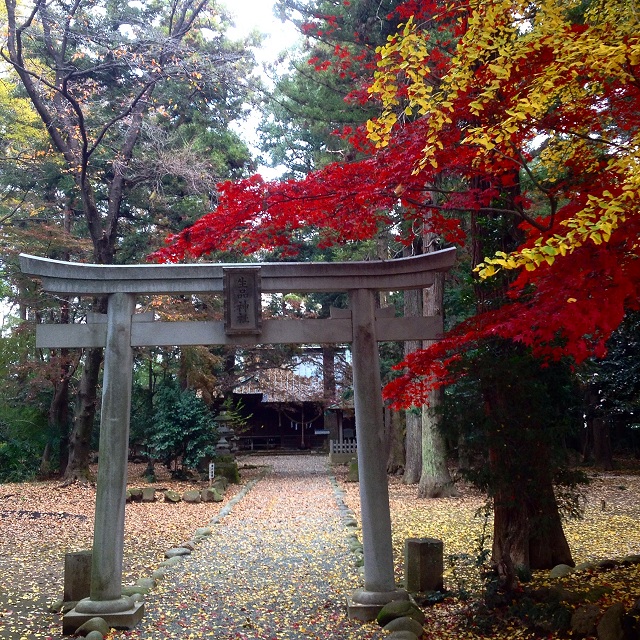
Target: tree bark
{"points": [[435, 479], [329, 373], [58, 414], [527, 530], [80, 439], [413, 418], [58, 419], [395, 440], [602, 453]]}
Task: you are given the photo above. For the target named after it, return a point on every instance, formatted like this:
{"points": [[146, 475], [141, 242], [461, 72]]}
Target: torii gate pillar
{"points": [[379, 583], [106, 599]]}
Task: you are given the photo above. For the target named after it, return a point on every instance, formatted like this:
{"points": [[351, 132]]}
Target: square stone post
{"points": [[379, 581], [423, 564], [106, 599]]}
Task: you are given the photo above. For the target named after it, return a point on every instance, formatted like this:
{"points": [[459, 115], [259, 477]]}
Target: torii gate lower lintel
{"points": [[362, 325]]}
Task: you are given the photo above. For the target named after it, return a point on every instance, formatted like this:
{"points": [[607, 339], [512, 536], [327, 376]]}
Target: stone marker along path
{"points": [[277, 567]]}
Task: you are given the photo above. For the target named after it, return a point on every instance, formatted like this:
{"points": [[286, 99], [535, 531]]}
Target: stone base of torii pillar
{"points": [[366, 605], [86, 609]]}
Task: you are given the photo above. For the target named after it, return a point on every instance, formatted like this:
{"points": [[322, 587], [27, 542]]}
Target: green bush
{"points": [[19, 460], [23, 436], [228, 470], [184, 429]]}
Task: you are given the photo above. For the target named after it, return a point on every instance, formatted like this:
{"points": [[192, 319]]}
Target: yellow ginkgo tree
{"points": [[549, 89]]}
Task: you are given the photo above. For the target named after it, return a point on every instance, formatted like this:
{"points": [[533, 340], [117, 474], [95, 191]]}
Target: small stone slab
{"points": [[610, 625], [560, 571], [148, 494], [400, 609], [172, 496], [159, 574], [404, 624], [220, 483], [584, 619], [354, 543], [171, 562], [192, 497], [211, 495], [94, 635], [148, 583], [176, 552], [56, 607], [135, 494], [423, 564], [94, 624], [77, 575]]}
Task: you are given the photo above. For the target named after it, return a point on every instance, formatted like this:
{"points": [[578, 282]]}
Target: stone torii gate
{"points": [[121, 329]]}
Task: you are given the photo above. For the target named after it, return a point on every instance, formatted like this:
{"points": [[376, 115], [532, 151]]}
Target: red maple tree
{"points": [[568, 307]]}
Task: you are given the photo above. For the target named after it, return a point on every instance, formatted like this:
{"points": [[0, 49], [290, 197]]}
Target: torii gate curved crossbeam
{"points": [[294, 277], [362, 326]]}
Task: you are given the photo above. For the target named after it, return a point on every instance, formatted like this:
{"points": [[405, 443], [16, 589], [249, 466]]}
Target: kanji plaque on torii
{"points": [[362, 325], [242, 304]]}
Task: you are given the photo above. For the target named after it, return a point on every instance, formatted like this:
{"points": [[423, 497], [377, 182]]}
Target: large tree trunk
{"points": [[80, 439], [58, 422], [548, 545], [527, 530], [329, 373], [58, 415], [597, 438], [602, 452], [413, 446], [394, 428], [413, 417], [435, 479]]}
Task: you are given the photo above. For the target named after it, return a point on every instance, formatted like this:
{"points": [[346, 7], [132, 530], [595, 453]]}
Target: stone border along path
{"points": [[276, 563]]}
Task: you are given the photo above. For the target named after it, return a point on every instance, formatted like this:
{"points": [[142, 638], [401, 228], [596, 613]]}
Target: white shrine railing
{"points": [[345, 446]]}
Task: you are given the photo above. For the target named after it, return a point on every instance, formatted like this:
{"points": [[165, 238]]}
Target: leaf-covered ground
{"points": [[609, 530], [41, 521], [280, 530]]}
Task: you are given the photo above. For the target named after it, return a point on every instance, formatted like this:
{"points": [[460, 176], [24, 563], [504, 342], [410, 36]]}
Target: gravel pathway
{"points": [[277, 567]]}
